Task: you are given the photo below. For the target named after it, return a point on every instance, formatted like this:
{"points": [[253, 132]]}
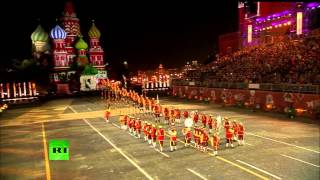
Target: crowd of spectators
{"points": [[293, 61]]}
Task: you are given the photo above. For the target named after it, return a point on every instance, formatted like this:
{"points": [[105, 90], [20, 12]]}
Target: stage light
{"points": [[299, 23], [249, 33]]}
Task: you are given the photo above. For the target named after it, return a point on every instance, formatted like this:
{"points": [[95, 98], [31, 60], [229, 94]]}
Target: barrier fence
{"points": [[302, 103], [293, 88], [16, 92]]}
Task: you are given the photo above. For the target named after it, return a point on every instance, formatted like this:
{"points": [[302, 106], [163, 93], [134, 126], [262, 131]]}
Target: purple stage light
{"points": [[313, 5]]}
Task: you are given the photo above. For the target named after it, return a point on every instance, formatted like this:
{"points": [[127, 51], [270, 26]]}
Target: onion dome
{"points": [[94, 32], [58, 33], [39, 35], [81, 44]]}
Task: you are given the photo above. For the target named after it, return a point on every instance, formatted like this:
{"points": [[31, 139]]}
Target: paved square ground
{"points": [[276, 147]]}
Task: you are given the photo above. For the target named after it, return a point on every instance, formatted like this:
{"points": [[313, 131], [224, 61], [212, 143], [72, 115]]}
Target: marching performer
{"points": [[235, 128], [129, 123], [126, 122], [172, 115], [149, 133], [185, 115], [187, 136], [204, 140], [145, 127], [229, 133], [153, 132], [215, 143], [138, 127], [210, 122], [160, 134], [133, 127], [195, 117], [241, 134], [218, 124], [166, 115], [204, 120], [177, 115], [157, 113], [173, 139], [147, 106], [121, 119], [196, 137], [107, 115]]}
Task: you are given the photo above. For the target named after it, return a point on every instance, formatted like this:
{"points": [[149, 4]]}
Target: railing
{"points": [[283, 87]]}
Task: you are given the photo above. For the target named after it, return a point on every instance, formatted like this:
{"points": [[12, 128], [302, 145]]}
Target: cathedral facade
{"points": [[70, 50]]}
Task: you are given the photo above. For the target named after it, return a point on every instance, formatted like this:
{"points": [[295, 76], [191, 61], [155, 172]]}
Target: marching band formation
{"points": [[199, 129]]}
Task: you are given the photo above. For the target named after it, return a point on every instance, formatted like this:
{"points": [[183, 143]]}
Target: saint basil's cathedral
{"points": [[69, 46]]}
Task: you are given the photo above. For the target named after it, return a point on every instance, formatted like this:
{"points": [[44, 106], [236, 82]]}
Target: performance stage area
{"points": [[275, 147]]}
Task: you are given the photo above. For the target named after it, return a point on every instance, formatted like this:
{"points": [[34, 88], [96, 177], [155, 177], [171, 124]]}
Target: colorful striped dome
{"points": [[39, 35], [81, 44], [94, 32], [58, 33]]}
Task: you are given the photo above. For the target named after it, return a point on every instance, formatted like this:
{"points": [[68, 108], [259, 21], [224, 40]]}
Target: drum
{"points": [[188, 122]]}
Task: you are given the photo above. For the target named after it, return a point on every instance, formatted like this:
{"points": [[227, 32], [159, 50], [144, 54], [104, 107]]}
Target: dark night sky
{"points": [[144, 34]]}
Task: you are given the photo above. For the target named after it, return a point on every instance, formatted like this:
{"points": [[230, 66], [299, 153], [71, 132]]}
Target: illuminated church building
{"points": [[69, 45]]}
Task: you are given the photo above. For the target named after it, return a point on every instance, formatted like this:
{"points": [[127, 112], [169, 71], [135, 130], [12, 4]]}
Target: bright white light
{"points": [[299, 23], [249, 33]]}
